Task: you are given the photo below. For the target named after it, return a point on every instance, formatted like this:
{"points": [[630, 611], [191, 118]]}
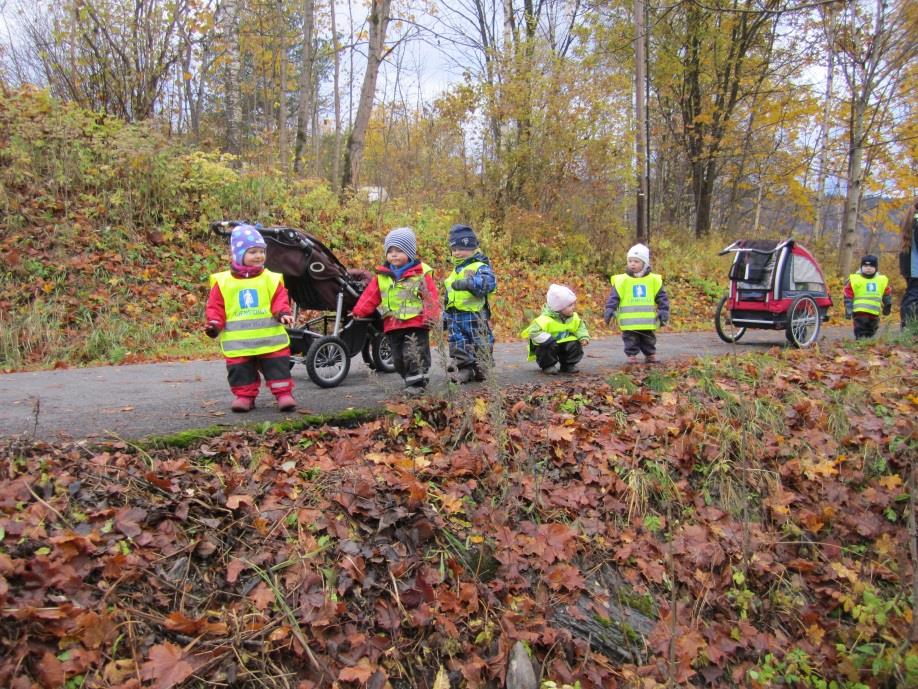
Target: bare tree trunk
{"points": [[846, 247], [231, 78], [379, 22], [640, 109], [818, 223], [758, 210], [282, 91], [304, 109], [336, 154]]}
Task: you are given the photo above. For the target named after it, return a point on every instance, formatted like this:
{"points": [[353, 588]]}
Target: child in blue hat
{"points": [[468, 314]]}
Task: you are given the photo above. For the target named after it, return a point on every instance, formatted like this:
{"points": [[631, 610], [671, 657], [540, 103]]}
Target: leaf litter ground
{"points": [[743, 522]]}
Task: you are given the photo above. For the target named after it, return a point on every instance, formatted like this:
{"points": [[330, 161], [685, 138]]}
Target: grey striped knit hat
{"points": [[402, 238]]}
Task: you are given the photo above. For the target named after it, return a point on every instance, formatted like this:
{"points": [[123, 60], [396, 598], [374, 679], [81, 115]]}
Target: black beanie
{"points": [[871, 260]]}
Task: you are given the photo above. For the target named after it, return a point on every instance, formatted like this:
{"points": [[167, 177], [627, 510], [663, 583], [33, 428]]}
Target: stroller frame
{"points": [[326, 343], [774, 285]]}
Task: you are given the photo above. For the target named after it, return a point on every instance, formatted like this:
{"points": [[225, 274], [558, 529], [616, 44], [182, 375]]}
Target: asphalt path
{"points": [[139, 400]]}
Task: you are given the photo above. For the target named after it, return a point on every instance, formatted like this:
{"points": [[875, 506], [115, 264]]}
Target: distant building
{"points": [[372, 194]]}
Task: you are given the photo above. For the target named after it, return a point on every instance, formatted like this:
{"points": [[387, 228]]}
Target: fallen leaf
{"points": [[167, 666]]}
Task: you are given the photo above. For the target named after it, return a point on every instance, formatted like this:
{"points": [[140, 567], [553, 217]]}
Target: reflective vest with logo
{"points": [[463, 300], [637, 308], [402, 299], [560, 331], [868, 292], [250, 327]]}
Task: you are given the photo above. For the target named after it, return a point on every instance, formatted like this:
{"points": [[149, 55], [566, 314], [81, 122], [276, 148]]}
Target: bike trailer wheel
{"points": [[803, 322], [723, 324]]}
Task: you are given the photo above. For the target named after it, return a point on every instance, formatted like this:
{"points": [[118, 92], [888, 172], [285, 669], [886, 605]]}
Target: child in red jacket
{"points": [[405, 293], [248, 308]]}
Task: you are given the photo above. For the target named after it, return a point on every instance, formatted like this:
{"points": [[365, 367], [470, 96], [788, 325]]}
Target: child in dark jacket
{"points": [[639, 303], [467, 315], [405, 292], [248, 308], [867, 292]]}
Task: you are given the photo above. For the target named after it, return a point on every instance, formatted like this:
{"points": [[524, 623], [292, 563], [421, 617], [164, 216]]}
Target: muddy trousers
{"points": [[643, 341], [243, 373], [865, 325], [908, 310], [411, 354], [568, 354]]}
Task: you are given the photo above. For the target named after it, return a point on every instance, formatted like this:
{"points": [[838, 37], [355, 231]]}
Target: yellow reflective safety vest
{"points": [[402, 299], [463, 300], [868, 292], [637, 308], [251, 328], [560, 331]]}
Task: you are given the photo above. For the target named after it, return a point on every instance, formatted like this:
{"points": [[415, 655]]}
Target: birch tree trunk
{"points": [[282, 90], [231, 77], [818, 223], [336, 155], [304, 108], [872, 65], [846, 249], [379, 22]]}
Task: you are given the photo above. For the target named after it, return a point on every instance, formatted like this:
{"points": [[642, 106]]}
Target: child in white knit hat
{"points": [[405, 292], [558, 335], [639, 303]]}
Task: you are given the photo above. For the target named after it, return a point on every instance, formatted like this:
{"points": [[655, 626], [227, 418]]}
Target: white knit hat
{"points": [[559, 297], [641, 253]]}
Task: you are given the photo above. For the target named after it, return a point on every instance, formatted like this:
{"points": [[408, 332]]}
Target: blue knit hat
{"points": [[243, 238], [462, 237], [403, 239]]}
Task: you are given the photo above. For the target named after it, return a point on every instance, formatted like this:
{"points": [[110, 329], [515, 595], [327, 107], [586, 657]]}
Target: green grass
{"points": [[190, 437]]}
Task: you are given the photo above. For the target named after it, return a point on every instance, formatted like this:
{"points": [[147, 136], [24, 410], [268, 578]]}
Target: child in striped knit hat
{"points": [[405, 292]]}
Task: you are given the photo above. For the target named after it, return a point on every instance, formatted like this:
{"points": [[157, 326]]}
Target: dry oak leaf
{"points": [[357, 673], [119, 671], [167, 666], [234, 501], [51, 671]]}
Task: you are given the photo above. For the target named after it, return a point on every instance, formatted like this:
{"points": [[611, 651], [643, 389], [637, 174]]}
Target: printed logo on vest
{"points": [[871, 287], [248, 298], [639, 291]]}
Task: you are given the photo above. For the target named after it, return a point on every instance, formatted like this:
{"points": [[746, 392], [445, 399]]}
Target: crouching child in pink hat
{"points": [[247, 309], [558, 335]]}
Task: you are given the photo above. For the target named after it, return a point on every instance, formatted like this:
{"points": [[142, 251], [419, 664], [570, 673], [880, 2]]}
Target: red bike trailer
{"points": [[774, 285]]}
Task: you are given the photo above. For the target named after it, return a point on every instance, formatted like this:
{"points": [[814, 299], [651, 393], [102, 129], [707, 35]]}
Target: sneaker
{"points": [[243, 404], [632, 360], [572, 368], [550, 370], [286, 403], [650, 358]]}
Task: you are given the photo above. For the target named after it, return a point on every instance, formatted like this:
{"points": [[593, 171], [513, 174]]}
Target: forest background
{"points": [[522, 118], [748, 521]]}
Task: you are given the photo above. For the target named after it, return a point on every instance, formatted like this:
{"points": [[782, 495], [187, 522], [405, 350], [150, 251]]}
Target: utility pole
{"points": [[640, 110]]}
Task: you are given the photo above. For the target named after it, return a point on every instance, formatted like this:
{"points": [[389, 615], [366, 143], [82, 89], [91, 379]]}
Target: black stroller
{"points": [[317, 281]]}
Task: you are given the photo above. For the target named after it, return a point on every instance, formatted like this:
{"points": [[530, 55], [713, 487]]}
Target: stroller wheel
{"points": [[328, 361], [803, 322], [381, 354]]}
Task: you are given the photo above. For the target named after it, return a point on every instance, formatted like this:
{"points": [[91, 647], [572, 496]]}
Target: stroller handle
{"points": [[283, 235], [224, 228]]}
